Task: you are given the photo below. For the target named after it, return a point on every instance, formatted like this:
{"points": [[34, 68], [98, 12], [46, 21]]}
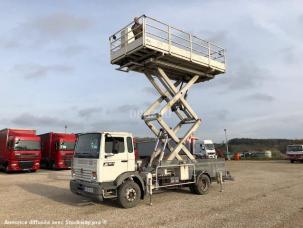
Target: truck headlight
{"points": [[94, 175], [73, 172]]}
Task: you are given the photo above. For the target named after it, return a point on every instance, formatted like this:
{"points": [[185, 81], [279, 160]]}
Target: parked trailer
{"points": [[57, 150], [19, 150]]}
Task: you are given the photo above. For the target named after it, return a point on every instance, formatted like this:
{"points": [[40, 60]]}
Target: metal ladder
{"points": [[175, 99]]}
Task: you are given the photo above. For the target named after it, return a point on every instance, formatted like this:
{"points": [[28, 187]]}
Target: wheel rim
{"points": [[131, 194], [204, 184]]}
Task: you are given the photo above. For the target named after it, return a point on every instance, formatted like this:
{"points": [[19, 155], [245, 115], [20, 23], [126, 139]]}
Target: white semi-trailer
{"points": [[104, 164]]}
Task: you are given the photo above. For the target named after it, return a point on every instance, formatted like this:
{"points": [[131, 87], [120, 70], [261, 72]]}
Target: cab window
{"points": [[130, 145], [114, 145]]}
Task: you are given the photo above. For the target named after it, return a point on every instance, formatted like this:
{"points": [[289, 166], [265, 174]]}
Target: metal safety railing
{"points": [[167, 34]]}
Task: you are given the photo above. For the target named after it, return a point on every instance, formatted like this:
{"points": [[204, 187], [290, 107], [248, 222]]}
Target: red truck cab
{"points": [[57, 150], [19, 150]]}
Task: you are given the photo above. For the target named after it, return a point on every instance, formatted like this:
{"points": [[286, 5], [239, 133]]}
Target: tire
{"points": [[292, 161], [202, 185], [129, 194], [6, 169], [52, 166]]}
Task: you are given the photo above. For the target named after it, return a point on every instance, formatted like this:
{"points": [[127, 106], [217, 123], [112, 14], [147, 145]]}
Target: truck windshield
{"points": [[294, 148], [27, 145], [209, 146], [88, 146], [67, 146]]}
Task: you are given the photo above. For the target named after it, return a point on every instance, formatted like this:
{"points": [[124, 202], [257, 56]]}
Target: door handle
{"points": [[123, 160]]}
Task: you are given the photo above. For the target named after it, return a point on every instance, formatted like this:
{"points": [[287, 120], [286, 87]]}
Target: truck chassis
{"points": [[130, 187]]}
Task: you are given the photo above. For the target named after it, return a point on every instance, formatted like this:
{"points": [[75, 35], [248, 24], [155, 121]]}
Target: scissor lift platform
{"points": [[172, 61], [182, 55]]}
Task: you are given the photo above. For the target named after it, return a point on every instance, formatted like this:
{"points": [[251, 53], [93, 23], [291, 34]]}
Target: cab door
{"points": [[114, 157]]}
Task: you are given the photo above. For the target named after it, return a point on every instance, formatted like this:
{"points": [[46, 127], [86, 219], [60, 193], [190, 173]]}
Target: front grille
{"points": [[27, 156], [83, 174], [26, 164], [68, 156]]}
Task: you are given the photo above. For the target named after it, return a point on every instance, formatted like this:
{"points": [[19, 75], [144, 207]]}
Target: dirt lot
{"points": [[264, 194]]}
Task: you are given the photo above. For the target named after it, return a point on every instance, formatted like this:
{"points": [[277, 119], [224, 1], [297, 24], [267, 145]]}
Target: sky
{"points": [[55, 66]]}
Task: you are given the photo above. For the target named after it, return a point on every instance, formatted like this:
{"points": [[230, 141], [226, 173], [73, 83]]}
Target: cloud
{"points": [[59, 24], [73, 50], [241, 77], [150, 91], [8, 44], [137, 127], [217, 37], [248, 76], [127, 108], [259, 97], [30, 120], [291, 54], [270, 125], [39, 71], [221, 114], [87, 112]]}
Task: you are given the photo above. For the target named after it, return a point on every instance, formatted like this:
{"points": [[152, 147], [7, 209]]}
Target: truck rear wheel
{"points": [[129, 194], [201, 186]]}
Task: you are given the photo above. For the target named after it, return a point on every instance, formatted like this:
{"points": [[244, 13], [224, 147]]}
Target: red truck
{"points": [[19, 150], [57, 150]]}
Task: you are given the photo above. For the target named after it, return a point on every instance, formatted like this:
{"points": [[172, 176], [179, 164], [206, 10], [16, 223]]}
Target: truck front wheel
{"points": [[129, 194], [201, 186]]}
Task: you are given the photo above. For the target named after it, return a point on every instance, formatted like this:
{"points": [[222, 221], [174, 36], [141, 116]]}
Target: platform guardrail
{"points": [[167, 34]]}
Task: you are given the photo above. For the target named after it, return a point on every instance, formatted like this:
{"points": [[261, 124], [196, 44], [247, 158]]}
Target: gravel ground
{"points": [[264, 194]]}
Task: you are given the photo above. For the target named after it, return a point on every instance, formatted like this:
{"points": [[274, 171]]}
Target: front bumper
{"points": [[23, 165], [82, 187], [63, 164], [295, 156]]}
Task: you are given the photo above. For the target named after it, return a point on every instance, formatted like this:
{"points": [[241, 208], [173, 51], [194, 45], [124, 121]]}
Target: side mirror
{"points": [[57, 145]]}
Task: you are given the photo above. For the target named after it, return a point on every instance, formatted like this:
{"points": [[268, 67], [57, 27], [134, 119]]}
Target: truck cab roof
{"points": [[110, 133], [208, 141]]}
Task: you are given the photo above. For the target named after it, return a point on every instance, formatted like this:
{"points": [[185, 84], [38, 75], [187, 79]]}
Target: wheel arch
{"points": [[203, 172], [134, 176]]}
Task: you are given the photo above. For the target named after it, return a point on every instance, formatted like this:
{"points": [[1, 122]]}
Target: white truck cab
{"points": [[205, 149], [100, 159], [106, 154]]}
